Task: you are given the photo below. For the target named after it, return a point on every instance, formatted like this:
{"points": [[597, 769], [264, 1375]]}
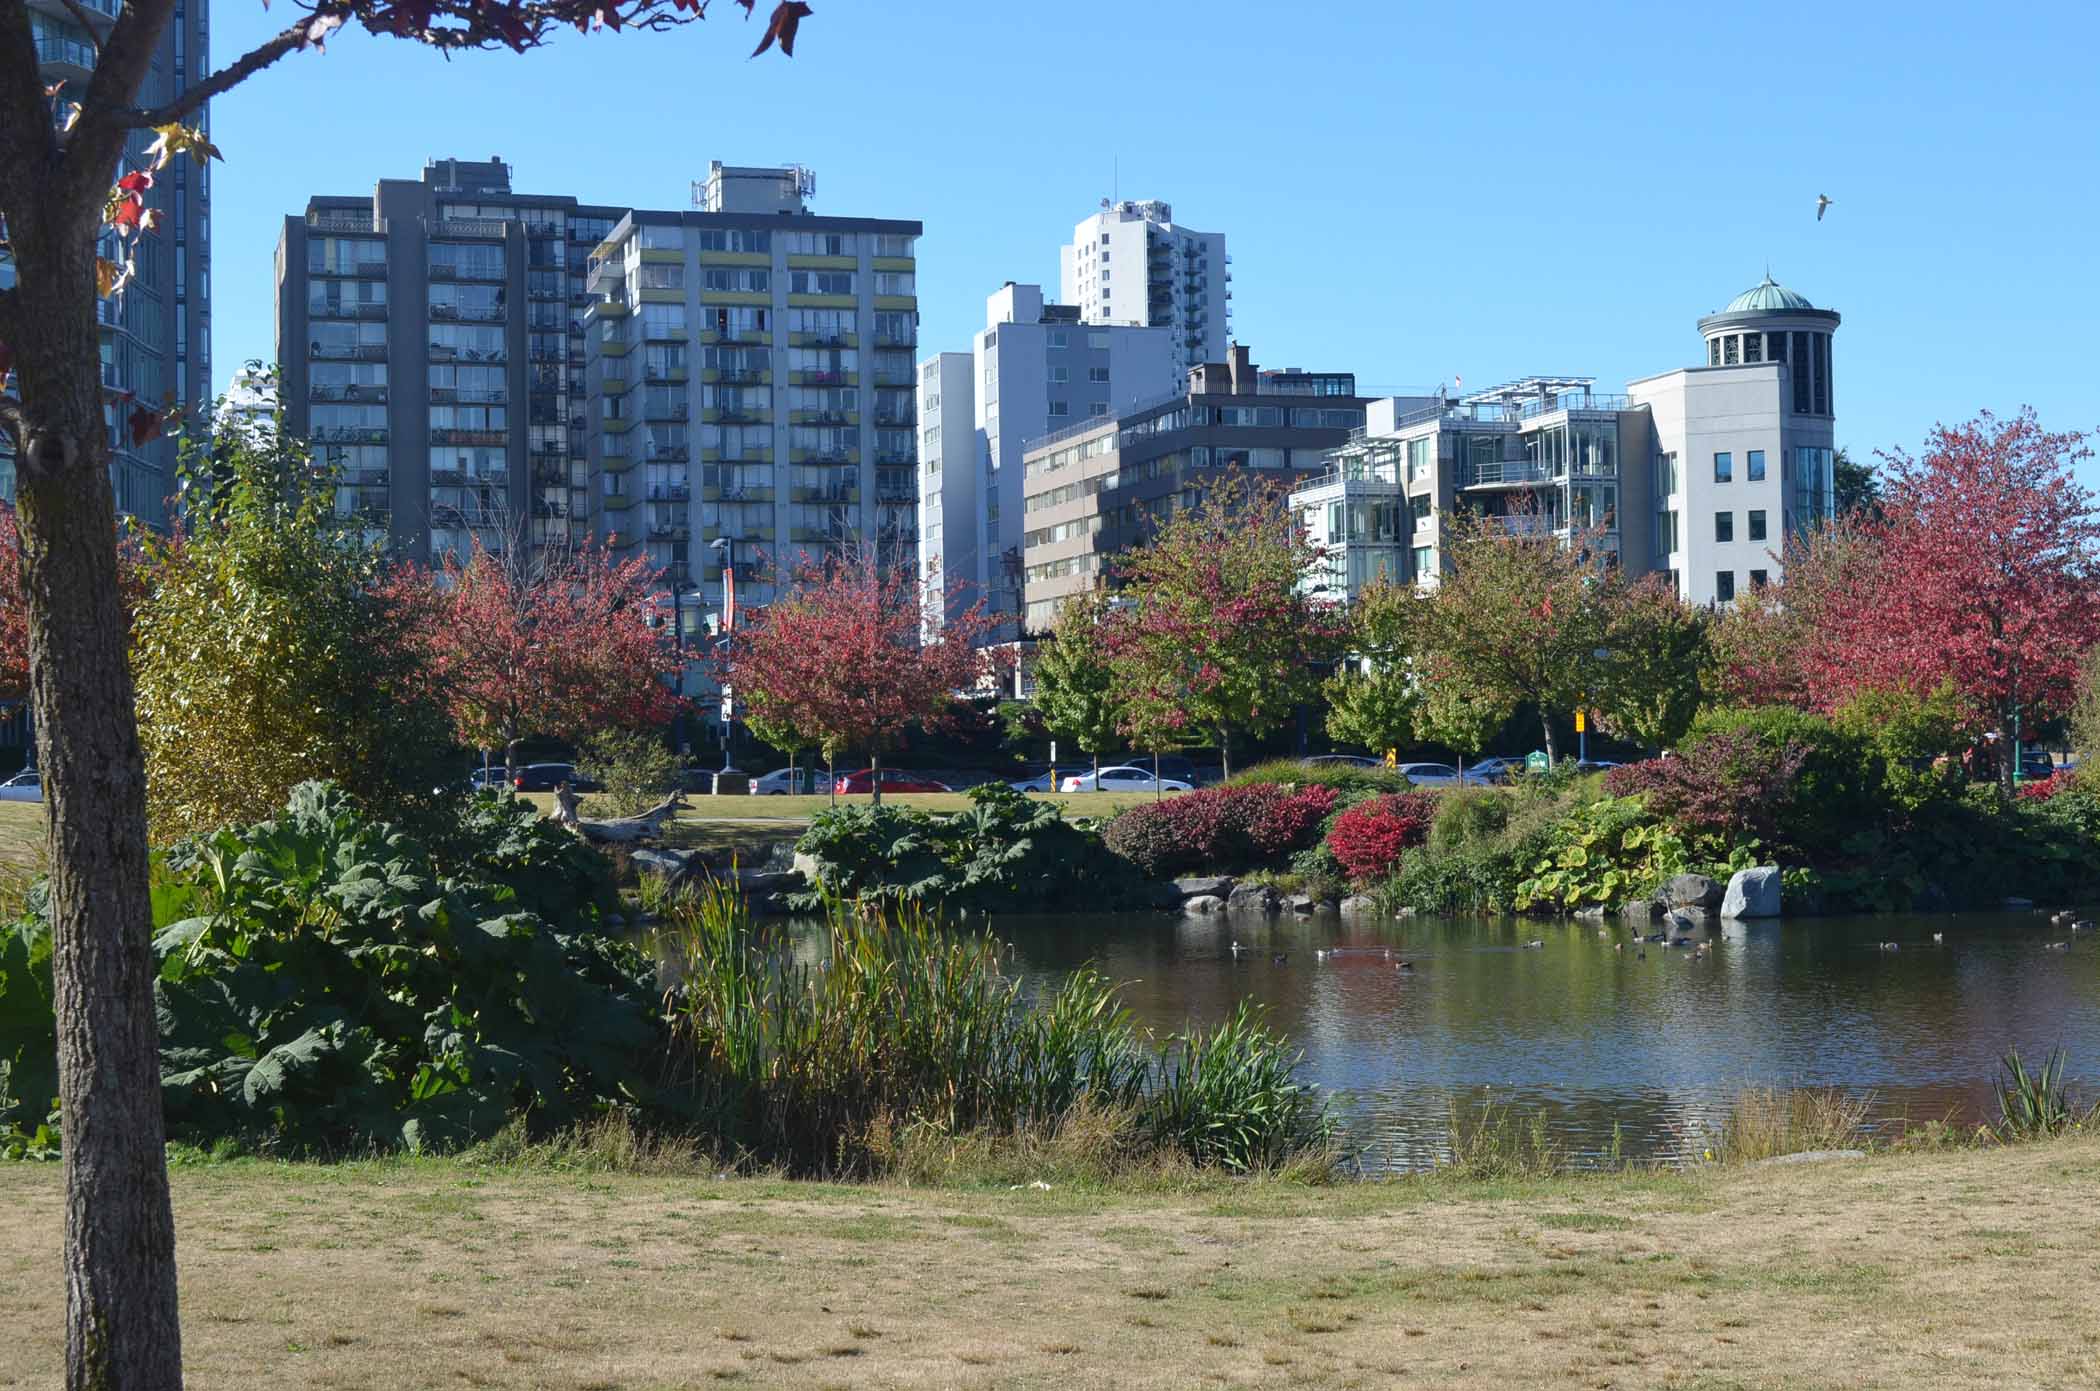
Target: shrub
{"points": [[636, 768], [1008, 853], [1603, 853], [1223, 828], [1469, 816], [2047, 789], [1367, 838], [1342, 777]]}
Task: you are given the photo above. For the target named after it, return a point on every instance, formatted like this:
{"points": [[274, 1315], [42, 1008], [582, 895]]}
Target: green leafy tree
{"points": [[1220, 636], [1461, 716], [1074, 677], [772, 723], [1517, 617], [266, 654], [1375, 696], [1657, 669], [1855, 487], [636, 768]]}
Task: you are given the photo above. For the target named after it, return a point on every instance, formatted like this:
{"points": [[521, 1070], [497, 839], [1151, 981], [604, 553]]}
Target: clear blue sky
{"points": [[1409, 194]]}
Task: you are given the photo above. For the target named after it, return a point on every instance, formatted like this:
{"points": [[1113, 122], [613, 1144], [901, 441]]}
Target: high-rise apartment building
{"points": [[1036, 367], [483, 364], [750, 374], [1702, 473], [1101, 485], [156, 333], [430, 346], [1131, 263]]}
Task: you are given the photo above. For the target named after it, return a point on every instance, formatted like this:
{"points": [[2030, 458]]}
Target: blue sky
{"points": [[1412, 194]]}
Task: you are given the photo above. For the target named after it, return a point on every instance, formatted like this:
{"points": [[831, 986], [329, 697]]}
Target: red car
{"points": [[892, 781]]}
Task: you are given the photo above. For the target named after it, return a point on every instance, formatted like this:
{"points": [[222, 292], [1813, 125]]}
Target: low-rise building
{"points": [[1099, 486], [1702, 473]]}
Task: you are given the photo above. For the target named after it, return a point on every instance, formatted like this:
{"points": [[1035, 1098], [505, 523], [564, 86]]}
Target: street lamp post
{"points": [[720, 545]]}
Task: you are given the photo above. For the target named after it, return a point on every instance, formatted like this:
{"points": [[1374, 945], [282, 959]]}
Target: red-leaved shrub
{"points": [[1220, 828], [2042, 789], [1367, 839]]}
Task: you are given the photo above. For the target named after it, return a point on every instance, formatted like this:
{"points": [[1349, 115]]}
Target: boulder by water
{"points": [[1202, 904], [1359, 903], [1752, 893], [1252, 898], [1217, 885], [1693, 891]]}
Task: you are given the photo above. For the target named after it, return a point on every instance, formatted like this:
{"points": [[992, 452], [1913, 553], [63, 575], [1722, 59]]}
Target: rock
{"points": [[1693, 891], [1812, 1157], [1302, 903], [1217, 885], [1752, 893], [1359, 903], [1403, 912], [1252, 898], [806, 866], [1642, 909], [1203, 904], [760, 883], [669, 863], [1593, 914]]}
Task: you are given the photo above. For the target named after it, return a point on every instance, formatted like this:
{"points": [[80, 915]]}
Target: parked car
{"points": [[1173, 765], [1440, 775], [545, 777], [1341, 760], [1495, 768], [27, 786], [1126, 778], [483, 778], [1045, 781], [893, 780], [1595, 765], [784, 782], [2036, 765]]}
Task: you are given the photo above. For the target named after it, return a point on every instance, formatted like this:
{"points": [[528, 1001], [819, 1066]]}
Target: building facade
{"points": [[1099, 486], [1131, 263], [1702, 473], [484, 365], [156, 332], [751, 379]]}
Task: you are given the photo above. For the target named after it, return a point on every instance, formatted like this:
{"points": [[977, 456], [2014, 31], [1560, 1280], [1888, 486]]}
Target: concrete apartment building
{"points": [[751, 377], [483, 364], [1099, 486], [1702, 473], [1036, 367], [1131, 263], [155, 334]]}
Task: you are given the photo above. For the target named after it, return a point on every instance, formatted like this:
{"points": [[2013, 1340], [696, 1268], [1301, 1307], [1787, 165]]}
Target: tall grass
{"points": [[1765, 1123], [1495, 1143], [2037, 1105], [901, 1027]]}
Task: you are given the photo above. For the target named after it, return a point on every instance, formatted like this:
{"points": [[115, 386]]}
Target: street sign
{"points": [[728, 706], [1392, 758], [1580, 723]]}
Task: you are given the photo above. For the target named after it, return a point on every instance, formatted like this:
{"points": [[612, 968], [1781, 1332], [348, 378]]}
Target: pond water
{"points": [[1592, 1037]]}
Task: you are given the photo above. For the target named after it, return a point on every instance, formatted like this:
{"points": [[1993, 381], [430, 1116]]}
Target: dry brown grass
{"points": [[1958, 1269]]}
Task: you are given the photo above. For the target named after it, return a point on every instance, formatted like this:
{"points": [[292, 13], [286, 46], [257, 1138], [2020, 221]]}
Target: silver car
{"points": [[1439, 775], [25, 786]]}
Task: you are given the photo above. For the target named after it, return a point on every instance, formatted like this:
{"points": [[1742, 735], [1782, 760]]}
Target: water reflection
{"points": [[1594, 1031]]}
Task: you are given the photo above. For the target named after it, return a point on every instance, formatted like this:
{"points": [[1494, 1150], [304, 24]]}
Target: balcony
{"points": [[473, 314], [496, 438], [663, 374], [1503, 473], [663, 410], [894, 378], [324, 391], [896, 340], [344, 220], [668, 454], [473, 395], [469, 227], [902, 420], [825, 492], [445, 352], [736, 415], [670, 492], [481, 273], [347, 352], [336, 309], [742, 376], [1522, 525], [351, 434]]}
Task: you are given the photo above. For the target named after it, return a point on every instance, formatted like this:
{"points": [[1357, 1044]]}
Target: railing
{"points": [[344, 220], [492, 437], [445, 352], [457, 272], [330, 391], [465, 227], [668, 454], [1575, 401], [347, 352], [1522, 526], [327, 310], [477, 396], [492, 314], [351, 434], [1490, 472], [671, 411]]}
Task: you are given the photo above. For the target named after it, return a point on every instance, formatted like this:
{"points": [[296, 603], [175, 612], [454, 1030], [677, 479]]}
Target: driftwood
{"points": [[624, 830]]}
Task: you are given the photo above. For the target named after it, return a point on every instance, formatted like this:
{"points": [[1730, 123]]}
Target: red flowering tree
{"points": [[560, 645], [1762, 642], [1216, 635], [1985, 575], [842, 647]]}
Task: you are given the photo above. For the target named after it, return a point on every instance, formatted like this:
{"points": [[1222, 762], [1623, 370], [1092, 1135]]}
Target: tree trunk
{"points": [[1159, 793], [1225, 754], [875, 780], [121, 1325], [1552, 754]]}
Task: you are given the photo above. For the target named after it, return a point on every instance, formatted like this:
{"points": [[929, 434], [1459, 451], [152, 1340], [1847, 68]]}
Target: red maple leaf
{"points": [[145, 425], [787, 18]]}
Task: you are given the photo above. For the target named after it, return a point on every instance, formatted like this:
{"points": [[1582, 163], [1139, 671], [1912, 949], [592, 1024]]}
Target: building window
{"points": [[1757, 524], [1754, 466], [1731, 350], [1753, 347], [1097, 339], [1097, 408], [1666, 480], [1059, 409], [1097, 374], [1060, 374], [1665, 533], [1724, 468], [1800, 372], [1758, 580], [1724, 526], [1058, 338], [1713, 352], [1724, 587], [1423, 562]]}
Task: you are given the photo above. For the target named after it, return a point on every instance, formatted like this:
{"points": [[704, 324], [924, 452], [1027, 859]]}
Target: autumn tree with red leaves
{"points": [[558, 644], [1215, 634], [842, 646], [65, 181], [1984, 574]]}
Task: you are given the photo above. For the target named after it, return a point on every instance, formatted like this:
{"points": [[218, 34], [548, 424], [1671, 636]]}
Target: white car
{"points": [[1041, 782], [1440, 775], [1124, 779], [780, 782], [23, 787]]}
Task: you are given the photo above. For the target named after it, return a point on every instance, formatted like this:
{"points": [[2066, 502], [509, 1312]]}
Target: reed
{"points": [[1765, 1123], [2037, 1105]]}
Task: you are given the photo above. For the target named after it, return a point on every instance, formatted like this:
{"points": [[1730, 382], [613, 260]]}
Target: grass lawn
{"points": [[1959, 1269]]}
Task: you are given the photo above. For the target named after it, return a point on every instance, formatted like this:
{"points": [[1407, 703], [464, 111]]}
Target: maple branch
{"points": [[26, 139], [291, 37], [73, 7]]}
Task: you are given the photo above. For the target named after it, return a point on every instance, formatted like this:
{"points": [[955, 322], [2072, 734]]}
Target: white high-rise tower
{"points": [[1130, 263]]}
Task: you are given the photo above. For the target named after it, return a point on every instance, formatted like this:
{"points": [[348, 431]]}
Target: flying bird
{"points": [[1823, 202]]}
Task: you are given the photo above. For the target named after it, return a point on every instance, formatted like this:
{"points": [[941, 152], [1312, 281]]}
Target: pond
{"points": [[1591, 1036]]}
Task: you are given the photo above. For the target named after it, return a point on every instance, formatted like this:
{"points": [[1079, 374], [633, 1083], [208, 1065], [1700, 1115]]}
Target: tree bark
{"points": [[121, 1325], [875, 762], [1225, 754], [1552, 753]]}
